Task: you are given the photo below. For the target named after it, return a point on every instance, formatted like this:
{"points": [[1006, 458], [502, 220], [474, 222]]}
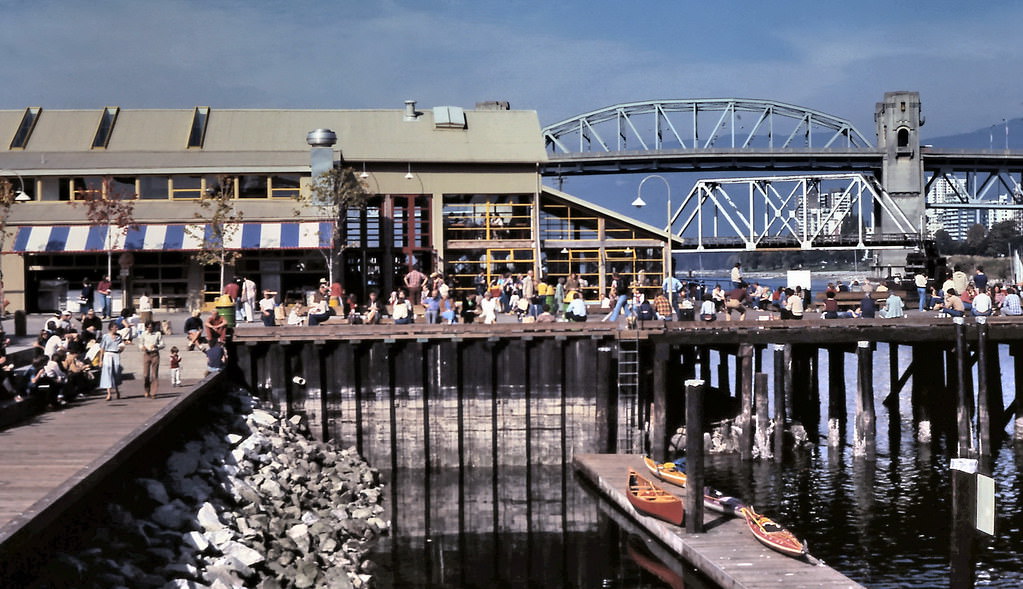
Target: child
{"points": [[175, 367]]}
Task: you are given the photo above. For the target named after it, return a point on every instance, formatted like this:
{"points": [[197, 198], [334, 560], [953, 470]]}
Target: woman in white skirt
{"points": [[110, 370]]}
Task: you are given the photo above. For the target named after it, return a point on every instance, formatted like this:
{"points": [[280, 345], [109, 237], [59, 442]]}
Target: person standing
{"points": [[920, 280], [110, 370], [145, 308], [737, 275], [103, 290], [175, 366], [88, 297], [249, 293], [266, 308], [151, 342], [414, 283], [980, 279]]}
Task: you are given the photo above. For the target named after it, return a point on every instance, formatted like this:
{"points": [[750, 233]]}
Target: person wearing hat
{"points": [[63, 319]]}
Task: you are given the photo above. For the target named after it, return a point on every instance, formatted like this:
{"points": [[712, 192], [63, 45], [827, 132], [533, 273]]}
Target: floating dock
{"points": [[726, 553]]}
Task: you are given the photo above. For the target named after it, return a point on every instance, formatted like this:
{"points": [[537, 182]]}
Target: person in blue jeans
{"points": [[616, 292], [921, 290]]}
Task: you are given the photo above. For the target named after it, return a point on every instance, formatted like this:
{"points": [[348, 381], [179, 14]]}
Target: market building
{"points": [[453, 190]]}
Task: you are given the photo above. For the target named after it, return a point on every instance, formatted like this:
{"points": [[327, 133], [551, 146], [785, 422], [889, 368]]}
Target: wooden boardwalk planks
{"points": [[727, 553]]}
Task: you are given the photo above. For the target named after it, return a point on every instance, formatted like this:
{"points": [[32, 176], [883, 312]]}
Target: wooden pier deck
{"points": [[53, 460], [726, 553]]}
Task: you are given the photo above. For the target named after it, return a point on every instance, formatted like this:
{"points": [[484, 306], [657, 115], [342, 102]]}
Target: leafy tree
{"points": [[111, 206], [944, 242], [999, 238], [217, 221], [333, 194], [976, 236]]}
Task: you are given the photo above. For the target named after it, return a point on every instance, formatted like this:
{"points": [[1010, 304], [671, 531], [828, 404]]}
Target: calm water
{"points": [[884, 523]]}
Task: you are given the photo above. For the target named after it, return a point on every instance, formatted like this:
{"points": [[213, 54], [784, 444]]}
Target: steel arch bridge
{"points": [[701, 124]]}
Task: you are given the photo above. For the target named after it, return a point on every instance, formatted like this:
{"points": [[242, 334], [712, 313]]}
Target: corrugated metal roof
{"points": [[502, 136]]}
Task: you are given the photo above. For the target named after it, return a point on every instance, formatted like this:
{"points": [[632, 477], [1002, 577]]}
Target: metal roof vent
{"points": [[410, 111], [321, 138]]}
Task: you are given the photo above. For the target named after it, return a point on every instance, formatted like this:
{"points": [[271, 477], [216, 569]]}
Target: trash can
{"points": [[225, 308]]}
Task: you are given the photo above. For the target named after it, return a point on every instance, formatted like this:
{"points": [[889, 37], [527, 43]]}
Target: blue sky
{"points": [[558, 58]]}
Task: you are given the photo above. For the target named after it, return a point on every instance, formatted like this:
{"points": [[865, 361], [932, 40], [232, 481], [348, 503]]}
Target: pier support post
{"points": [[964, 405], [983, 401], [746, 413], [779, 401], [1016, 351], [695, 391], [762, 447], [658, 421], [866, 430], [963, 537], [704, 353], [837, 415]]}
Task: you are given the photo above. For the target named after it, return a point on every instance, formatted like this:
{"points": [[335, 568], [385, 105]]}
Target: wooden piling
{"points": [[964, 396], [695, 391], [963, 537], [745, 420], [704, 354], [864, 444], [658, 421], [762, 444], [779, 401], [837, 414], [983, 402]]}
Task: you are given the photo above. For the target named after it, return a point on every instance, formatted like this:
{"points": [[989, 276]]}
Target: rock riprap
{"points": [[253, 502]]}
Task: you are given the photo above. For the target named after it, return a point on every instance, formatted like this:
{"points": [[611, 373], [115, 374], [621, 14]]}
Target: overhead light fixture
{"points": [[22, 196], [409, 175], [564, 250], [639, 202], [364, 174]]}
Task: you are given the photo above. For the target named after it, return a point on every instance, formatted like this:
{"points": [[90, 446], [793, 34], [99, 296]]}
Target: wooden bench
{"points": [[851, 299]]}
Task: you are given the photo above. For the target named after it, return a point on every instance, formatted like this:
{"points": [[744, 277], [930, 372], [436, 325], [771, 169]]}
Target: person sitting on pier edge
{"points": [[89, 319], [373, 309], [193, 329], [216, 326], [431, 303], [296, 315], [319, 311], [717, 294], [488, 308], [982, 305], [953, 304], [830, 305], [576, 307], [709, 309], [663, 308], [868, 307], [1011, 305], [893, 306], [401, 311], [545, 314], [470, 308], [793, 304], [216, 357], [736, 300]]}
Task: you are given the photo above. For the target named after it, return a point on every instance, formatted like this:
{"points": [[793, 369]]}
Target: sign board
{"points": [[986, 504], [799, 278]]}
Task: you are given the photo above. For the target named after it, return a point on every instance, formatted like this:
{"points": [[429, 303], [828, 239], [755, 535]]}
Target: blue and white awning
{"points": [[183, 237]]}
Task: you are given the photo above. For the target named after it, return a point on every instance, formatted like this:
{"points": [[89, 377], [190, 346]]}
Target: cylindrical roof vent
{"points": [[321, 138], [410, 110]]}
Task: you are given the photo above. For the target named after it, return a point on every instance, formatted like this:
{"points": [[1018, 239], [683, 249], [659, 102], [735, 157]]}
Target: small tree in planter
{"points": [[112, 206], [332, 195], [217, 220]]}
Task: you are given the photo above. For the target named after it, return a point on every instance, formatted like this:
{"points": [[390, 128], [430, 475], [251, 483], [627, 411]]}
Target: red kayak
{"points": [[772, 535], [649, 499]]}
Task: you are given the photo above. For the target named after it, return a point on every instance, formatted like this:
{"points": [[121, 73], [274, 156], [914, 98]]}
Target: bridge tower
{"points": [[898, 121]]}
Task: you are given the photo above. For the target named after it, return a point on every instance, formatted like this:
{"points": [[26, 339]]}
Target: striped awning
{"points": [[183, 237]]}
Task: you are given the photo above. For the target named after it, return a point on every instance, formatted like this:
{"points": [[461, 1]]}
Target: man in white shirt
{"points": [[982, 305]]}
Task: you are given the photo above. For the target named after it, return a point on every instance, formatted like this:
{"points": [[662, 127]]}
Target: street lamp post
{"points": [[639, 203], [7, 199]]}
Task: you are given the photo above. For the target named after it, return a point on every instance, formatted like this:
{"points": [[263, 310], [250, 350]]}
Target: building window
{"points": [[252, 187], [186, 187], [284, 185], [154, 187], [28, 122], [106, 127], [81, 188], [197, 132], [902, 137]]}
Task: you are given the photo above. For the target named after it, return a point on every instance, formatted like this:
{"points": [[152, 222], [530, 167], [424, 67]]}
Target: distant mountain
{"points": [[992, 137]]}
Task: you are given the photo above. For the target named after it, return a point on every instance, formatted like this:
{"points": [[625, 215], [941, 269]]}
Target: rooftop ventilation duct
{"points": [[410, 110]]}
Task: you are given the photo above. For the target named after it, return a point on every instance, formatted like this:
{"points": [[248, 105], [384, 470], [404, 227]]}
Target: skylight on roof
{"points": [[448, 117], [106, 127], [28, 122], [197, 134]]}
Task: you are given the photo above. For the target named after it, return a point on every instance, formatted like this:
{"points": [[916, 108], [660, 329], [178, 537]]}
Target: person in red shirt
{"points": [[103, 290]]}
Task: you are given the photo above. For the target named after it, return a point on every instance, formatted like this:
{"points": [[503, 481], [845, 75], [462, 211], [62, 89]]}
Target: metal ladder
{"points": [[630, 428]]}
